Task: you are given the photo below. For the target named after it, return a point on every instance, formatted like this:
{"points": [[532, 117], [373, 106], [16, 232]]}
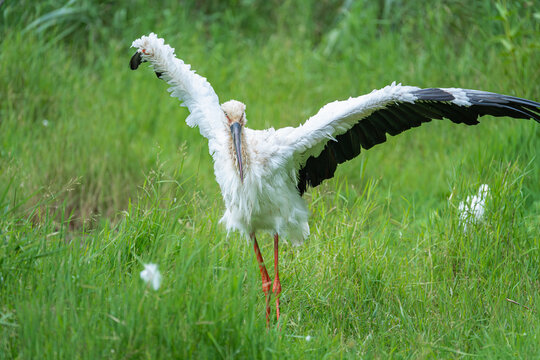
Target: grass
{"points": [[99, 174]]}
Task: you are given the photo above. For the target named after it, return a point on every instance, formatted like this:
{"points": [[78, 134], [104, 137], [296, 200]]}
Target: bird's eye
{"points": [[225, 113]]}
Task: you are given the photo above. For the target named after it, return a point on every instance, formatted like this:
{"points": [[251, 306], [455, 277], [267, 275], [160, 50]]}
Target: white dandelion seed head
{"points": [[308, 338], [151, 275], [45, 122]]}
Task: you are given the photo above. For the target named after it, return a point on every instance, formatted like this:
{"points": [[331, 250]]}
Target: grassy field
{"points": [[99, 174]]}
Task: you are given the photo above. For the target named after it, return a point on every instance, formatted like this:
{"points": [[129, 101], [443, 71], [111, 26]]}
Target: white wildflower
{"points": [[472, 210], [45, 122], [308, 338], [151, 275]]}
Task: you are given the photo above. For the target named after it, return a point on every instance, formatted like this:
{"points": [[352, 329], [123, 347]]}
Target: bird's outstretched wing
{"points": [[193, 90], [341, 128]]}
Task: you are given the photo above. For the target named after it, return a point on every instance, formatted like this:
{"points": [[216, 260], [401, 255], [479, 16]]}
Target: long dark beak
{"points": [[236, 130]]}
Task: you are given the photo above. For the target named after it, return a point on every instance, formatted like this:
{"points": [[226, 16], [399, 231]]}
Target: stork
{"points": [[264, 173]]}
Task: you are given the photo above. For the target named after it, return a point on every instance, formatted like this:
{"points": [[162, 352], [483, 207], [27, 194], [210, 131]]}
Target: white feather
{"points": [[151, 275], [460, 96], [193, 90], [472, 210]]}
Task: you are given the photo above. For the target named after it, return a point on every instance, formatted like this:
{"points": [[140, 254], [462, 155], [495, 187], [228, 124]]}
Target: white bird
{"points": [[263, 173]]}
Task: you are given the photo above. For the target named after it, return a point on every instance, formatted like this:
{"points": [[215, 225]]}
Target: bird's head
{"points": [[234, 112]]}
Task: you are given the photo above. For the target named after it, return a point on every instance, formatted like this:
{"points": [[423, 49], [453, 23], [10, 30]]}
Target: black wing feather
{"points": [[432, 103]]}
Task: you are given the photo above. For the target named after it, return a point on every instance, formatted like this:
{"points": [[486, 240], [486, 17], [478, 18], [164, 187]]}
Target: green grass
{"points": [[116, 179]]}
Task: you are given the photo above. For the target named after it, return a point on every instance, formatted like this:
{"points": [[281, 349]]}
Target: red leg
{"points": [[264, 275], [277, 284]]}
